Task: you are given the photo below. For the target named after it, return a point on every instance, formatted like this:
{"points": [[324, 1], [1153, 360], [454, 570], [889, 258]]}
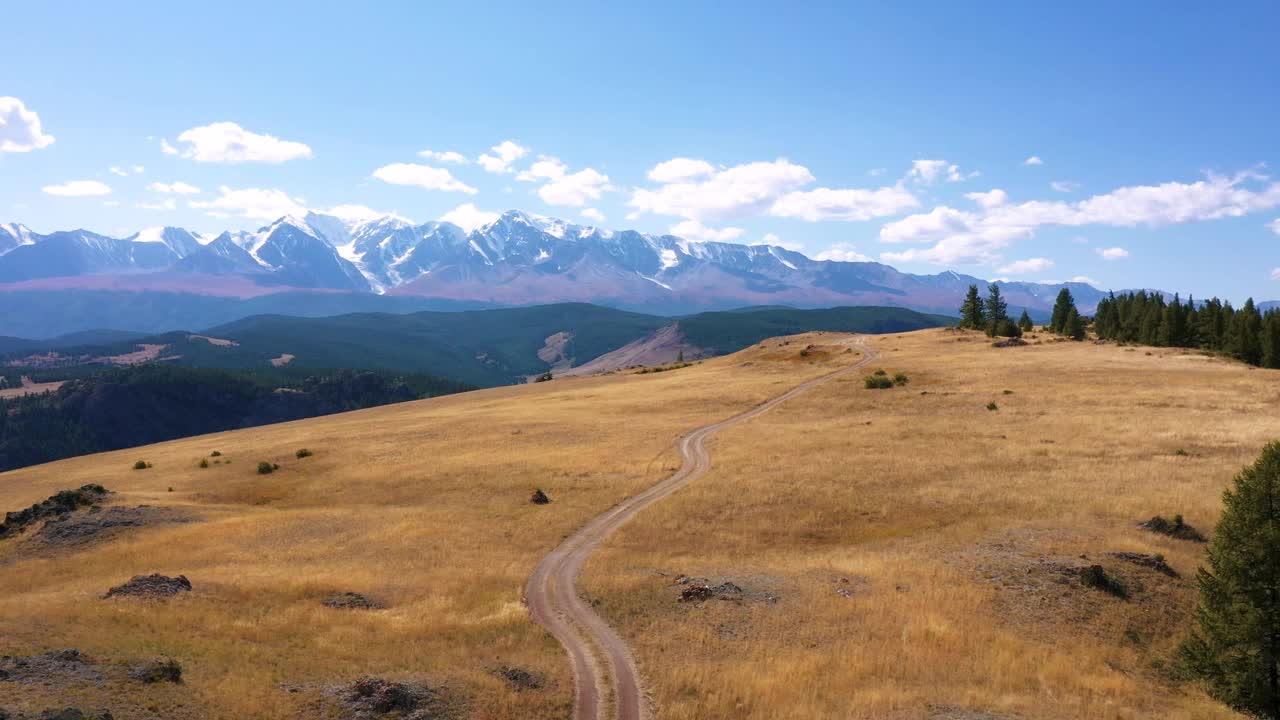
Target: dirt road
{"points": [[607, 681]]}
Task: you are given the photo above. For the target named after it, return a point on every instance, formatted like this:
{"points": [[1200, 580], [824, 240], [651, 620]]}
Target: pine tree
{"points": [[971, 312], [1271, 339], [1074, 326], [1061, 308], [1024, 322], [1235, 648], [997, 310]]}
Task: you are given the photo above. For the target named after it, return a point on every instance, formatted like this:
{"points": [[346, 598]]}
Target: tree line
{"points": [[1144, 318], [992, 315]]}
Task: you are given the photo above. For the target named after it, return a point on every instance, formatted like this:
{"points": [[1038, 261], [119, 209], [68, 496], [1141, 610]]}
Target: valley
{"points": [[913, 552]]}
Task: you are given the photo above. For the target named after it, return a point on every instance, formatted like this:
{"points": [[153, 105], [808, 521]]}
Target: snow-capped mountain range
{"points": [[517, 259]]}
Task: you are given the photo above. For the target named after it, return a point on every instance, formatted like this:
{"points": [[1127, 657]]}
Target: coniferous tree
{"points": [[1271, 339], [997, 310], [1061, 308], [1235, 648], [1074, 326], [972, 315], [1024, 322]]}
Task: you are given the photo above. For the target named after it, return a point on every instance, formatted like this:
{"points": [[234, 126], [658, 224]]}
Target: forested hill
{"points": [[127, 407]]}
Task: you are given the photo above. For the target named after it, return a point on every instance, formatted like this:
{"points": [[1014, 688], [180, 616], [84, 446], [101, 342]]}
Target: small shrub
{"points": [[1096, 577], [170, 488], [303, 453], [158, 671], [141, 465], [204, 462], [1181, 453], [880, 372], [900, 379], [1008, 392], [266, 468], [215, 453], [877, 382], [992, 405], [539, 497], [804, 352], [545, 377]]}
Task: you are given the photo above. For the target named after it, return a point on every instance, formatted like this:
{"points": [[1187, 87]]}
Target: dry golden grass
{"points": [[423, 506], [943, 518], [941, 515]]}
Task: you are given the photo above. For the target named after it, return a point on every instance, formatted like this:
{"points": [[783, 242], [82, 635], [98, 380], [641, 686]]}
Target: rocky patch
{"points": [[519, 678], [157, 671], [351, 601], [1174, 528], [151, 587], [75, 529], [539, 498], [373, 698], [58, 505], [699, 590], [69, 713], [56, 668]]}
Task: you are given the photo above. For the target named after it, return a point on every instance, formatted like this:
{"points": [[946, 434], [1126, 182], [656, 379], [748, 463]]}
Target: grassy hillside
{"points": [[904, 553]]}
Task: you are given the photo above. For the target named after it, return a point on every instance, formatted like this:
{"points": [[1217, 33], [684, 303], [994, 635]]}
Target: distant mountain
{"points": [[518, 259]]}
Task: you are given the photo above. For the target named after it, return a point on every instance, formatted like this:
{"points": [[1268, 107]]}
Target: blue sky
{"points": [[843, 130]]}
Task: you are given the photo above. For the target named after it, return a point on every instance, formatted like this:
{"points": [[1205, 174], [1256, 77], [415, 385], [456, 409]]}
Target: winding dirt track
{"points": [[605, 674]]}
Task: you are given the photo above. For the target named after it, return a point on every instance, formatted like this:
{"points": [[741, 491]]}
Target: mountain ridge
{"points": [[517, 259]]}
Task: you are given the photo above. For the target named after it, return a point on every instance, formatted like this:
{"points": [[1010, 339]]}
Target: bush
{"points": [[877, 382], [266, 468], [215, 453], [1008, 392], [141, 465], [992, 405], [303, 453], [545, 377], [158, 671], [880, 373], [1096, 577], [204, 462], [900, 379]]}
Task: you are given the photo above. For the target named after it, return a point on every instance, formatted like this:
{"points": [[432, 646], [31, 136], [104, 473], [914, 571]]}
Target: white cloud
{"points": [[1113, 253], [124, 172], [736, 192], [178, 187], [593, 214], [468, 217], [928, 171], [563, 187], [827, 204], [138, 169], [679, 169], [357, 213], [168, 204], [966, 237], [504, 153], [774, 240], [166, 148], [1086, 280], [1023, 267], [1275, 274], [990, 198], [423, 176], [1275, 226], [110, 203], [78, 188], [694, 230], [118, 171], [842, 252], [1064, 186], [227, 142], [447, 156], [20, 129], [877, 172], [1033, 160], [254, 203]]}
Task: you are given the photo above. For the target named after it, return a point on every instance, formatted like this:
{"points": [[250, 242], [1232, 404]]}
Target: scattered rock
{"points": [[151, 586], [1009, 342], [373, 698], [99, 523], [157, 671], [1096, 577], [62, 503], [56, 667], [1175, 528], [539, 497], [352, 601], [519, 678], [701, 590], [70, 714], [1155, 562], [948, 712]]}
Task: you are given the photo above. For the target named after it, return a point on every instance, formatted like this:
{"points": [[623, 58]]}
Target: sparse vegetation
{"points": [[266, 468], [900, 379], [215, 453], [993, 406], [303, 453], [204, 462], [877, 382]]}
